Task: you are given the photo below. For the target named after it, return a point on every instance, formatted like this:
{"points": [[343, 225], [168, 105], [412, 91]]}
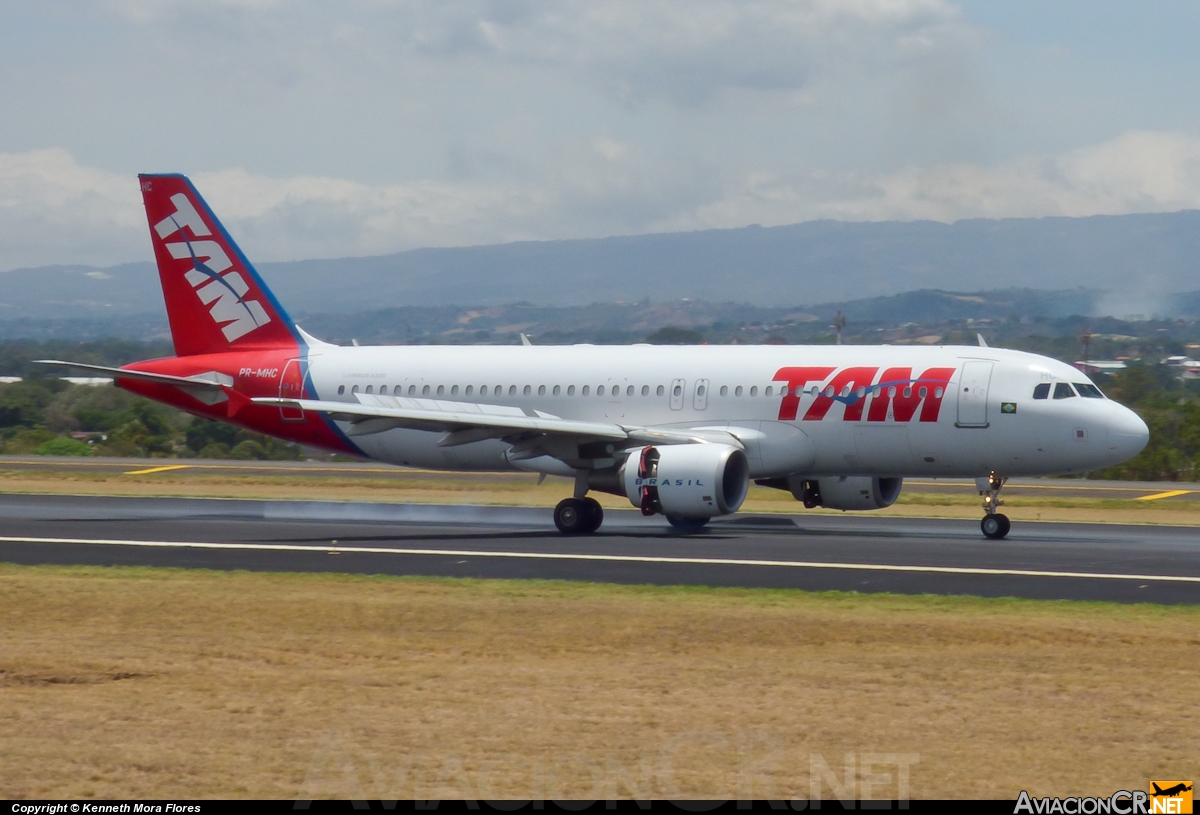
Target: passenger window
{"points": [[441, 390], [660, 390], [600, 391], [678, 391], [425, 391], [923, 392], [700, 391], [354, 389], [454, 390], [526, 390], [470, 389], [341, 389], [412, 390], [1063, 391], [570, 390], [483, 390], [724, 390], [541, 390], [370, 388], [383, 388], [557, 390], [629, 391], [754, 390], [737, 391], [645, 390], [1088, 391], [512, 390], [768, 391], [1042, 391]]}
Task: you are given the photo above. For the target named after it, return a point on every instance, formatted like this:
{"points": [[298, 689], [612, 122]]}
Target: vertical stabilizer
{"points": [[215, 299]]}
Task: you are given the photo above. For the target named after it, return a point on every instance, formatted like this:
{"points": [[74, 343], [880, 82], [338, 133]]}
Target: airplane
{"points": [[1170, 792], [678, 431]]}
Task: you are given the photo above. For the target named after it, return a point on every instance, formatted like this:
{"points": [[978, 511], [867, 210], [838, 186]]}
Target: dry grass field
{"points": [[164, 683], [521, 489]]}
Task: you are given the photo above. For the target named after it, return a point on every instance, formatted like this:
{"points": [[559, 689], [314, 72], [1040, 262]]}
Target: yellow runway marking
{"points": [[158, 469], [1167, 494]]}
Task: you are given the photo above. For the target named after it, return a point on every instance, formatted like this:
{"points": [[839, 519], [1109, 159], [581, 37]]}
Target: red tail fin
{"points": [[215, 299]]}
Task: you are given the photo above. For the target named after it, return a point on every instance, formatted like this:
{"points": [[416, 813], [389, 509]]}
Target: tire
{"points": [[995, 527], [688, 525], [571, 516], [595, 514]]}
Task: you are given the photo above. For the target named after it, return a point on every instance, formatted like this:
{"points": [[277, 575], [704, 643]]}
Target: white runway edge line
{"points": [[795, 564]]}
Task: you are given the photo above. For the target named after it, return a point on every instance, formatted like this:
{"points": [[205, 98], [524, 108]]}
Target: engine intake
{"points": [[687, 480], [846, 492]]}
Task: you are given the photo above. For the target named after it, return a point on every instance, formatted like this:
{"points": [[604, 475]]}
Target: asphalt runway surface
{"points": [[1169, 491], [848, 553]]}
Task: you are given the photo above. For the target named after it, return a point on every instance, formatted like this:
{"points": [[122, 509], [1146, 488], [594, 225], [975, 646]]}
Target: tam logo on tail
{"points": [[212, 281], [213, 295]]}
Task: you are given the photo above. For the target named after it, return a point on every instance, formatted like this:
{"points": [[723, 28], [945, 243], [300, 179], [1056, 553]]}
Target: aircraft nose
{"points": [[1127, 433]]}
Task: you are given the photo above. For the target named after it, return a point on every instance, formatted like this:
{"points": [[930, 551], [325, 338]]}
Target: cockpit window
{"points": [[1088, 391], [1063, 391], [1042, 391]]}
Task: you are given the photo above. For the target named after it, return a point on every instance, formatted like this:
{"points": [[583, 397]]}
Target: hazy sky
{"points": [[322, 129]]}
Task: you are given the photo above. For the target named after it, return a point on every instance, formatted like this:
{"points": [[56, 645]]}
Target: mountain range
{"points": [[1127, 264]]}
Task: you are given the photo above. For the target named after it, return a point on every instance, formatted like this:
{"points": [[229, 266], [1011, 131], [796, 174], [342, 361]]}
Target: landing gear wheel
{"points": [[686, 524], [995, 527], [572, 516], [595, 514]]}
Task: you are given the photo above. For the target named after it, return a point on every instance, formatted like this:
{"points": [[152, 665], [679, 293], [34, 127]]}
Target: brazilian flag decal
{"points": [[1008, 407]]}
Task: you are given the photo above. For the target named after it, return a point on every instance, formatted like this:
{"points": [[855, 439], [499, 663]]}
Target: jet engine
{"points": [[687, 480], [846, 492]]}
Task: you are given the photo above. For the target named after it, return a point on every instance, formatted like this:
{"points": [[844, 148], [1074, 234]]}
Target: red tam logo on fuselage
{"points": [[896, 393]]}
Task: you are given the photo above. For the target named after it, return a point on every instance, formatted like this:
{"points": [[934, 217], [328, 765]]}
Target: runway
{"points": [[817, 553]]}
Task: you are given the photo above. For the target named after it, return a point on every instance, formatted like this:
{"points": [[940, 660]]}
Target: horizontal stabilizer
{"points": [[209, 380]]}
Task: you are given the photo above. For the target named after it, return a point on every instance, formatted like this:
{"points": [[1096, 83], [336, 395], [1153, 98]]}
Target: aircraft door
{"points": [[291, 386], [973, 393], [678, 386], [700, 398]]}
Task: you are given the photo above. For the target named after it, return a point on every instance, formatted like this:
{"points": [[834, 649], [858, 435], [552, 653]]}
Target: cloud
{"points": [[54, 210], [684, 52], [1141, 171]]}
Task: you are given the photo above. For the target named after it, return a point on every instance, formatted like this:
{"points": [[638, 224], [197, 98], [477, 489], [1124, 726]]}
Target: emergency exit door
{"points": [[973, 393], [291, 386]]}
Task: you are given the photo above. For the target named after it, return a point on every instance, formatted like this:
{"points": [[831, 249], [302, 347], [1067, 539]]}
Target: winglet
{"points": [[982, 341]]}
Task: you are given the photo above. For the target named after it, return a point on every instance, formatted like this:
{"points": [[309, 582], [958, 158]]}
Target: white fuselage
{"points": [[975, 414]]}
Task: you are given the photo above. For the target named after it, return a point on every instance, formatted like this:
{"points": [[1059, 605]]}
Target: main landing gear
{"points": [[578, 516], [994, 525]]}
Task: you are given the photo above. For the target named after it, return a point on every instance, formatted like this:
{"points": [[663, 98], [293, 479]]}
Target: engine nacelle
{"points": [[846, 492], [687, 480]]}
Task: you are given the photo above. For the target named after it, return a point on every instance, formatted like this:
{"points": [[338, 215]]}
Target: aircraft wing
{"points": [[465, 422]]}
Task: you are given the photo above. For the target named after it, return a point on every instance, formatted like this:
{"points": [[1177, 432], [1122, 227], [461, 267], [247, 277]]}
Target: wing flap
{"points": [[452, 416]]}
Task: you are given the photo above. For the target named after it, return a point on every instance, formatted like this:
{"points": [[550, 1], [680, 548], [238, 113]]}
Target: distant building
{"points": [[1101, 366]]}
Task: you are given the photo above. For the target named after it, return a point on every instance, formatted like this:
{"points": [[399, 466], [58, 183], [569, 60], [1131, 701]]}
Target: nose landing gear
{"points": [[994, 525]]}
